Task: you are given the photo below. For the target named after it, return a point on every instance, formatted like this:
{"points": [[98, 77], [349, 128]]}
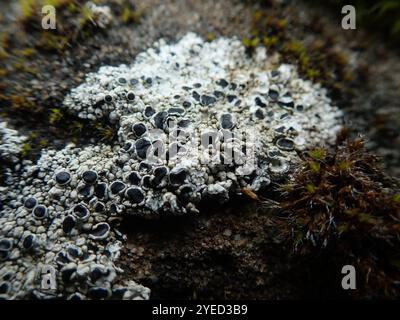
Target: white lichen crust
{"points": [[11, 143], [196, 120], [200, 91]]}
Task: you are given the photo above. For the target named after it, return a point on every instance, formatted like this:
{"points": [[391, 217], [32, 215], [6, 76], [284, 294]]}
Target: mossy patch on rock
{"points": [[341, 205], [317, 60]]}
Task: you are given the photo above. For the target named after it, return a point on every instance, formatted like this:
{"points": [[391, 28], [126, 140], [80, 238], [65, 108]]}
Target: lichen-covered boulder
{"points": [[196, 120]]}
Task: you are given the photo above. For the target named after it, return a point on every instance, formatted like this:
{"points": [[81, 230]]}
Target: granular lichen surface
{"points": [[197, 121]]}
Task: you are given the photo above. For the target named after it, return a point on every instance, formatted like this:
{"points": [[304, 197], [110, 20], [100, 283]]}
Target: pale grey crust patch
{"points": [[197, 88], [11, 143], [193, 86]]}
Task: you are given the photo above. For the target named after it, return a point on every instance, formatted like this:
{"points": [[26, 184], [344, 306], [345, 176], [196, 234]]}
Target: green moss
{"points": [[315, 166], [343, 208], [250, 42], [72, 7], [4, 45], [3, 54], [318, 154], [311, 188], [74, 22], [77, 127], [286, 188], [52, 42], [313, 74], [344, 166], [210, 36], [56, 3], [129, 15], [85, 17], [27, 8], [316, 61], [270, 41], [43, 143], [343, 185], [367, 219], [55, 115], [26, 52], [106, 133], [299, 238], [26, 150], [294, 47]]}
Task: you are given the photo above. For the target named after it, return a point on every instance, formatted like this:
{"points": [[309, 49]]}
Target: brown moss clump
{"points": [[342, 206], [21, 103]]}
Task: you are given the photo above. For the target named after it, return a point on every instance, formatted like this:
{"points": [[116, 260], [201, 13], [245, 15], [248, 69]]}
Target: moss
{"points": [[3, 54], [30, 7], [341, 203], [313, 74], [56, 3], [26, 52], [29, 147], [344, 166], [294, 47], [3, 72], [130, 14], [20, 102], [270, 41], [318, 154], [26, 150], [72, 7], [4, 40], [315, 166], [77, 127], [210, 36], [105, 132], [74, 22], [51, 42], [251, 43], [27, 8], [43, 143], [4, 45], [316, 60], [22, 66], [85, 17], [311, 188], [286, 187], [55, 115]]}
